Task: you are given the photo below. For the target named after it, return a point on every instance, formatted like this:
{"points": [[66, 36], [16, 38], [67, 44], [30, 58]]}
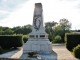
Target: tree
{"points": [[49, 25], [1, 32], [19, 31], [65, 24], [48, 29], [8, 32], [27, 28], [58, 30]]}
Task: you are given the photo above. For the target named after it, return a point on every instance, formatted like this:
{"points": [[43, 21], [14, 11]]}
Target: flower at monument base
{"points": [[32, 54]]}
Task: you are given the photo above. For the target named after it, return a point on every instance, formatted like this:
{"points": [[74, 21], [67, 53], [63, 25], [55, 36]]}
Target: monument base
{"points": [[52, 56], [42, 46]]}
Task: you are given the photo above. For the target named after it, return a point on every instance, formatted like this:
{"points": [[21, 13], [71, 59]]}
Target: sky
{"points": [[20, 12]]}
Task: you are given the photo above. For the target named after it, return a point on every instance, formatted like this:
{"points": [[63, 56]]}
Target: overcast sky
{"points": [[20, 12]]}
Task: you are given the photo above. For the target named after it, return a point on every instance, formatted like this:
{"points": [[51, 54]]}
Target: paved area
{"points": [[60, 50], [12, 54]]}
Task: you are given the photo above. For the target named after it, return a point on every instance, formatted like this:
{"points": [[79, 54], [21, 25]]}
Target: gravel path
{"points": [[63, 53]]}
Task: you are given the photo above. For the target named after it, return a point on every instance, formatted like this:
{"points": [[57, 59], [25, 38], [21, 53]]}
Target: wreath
{"points": [[35, 26]]}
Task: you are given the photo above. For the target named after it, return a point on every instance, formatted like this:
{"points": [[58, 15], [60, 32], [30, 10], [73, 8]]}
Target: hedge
{"points": [[72, 40], [76, 51], [11, 41], [1, 50]]}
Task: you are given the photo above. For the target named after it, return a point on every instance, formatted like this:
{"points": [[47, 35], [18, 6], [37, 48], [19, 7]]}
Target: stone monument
{"points": [[38, 39]]}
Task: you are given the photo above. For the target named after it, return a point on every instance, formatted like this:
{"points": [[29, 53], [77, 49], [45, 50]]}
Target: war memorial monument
{"points": [[38, 39]]}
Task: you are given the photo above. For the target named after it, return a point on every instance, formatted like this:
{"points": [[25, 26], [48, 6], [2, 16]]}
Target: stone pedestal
{"points": [[41, 45]]}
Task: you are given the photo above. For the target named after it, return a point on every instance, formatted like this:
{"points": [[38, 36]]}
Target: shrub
{"points": [[25, 38], [76, 51], [1, 50], [72, 40], [57, 39]]}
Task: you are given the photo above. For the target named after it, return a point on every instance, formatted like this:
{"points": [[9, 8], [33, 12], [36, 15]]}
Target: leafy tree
{"points": [[27, 28], [58, 30], [1, 32], [14, 28], [8, 32], [48, 29], [18, 31], [49, 25], [4, 28], [22, 30], [65, 24]]}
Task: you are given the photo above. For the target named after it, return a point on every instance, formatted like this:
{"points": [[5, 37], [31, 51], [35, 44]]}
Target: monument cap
{"points": [[38, 4]]}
